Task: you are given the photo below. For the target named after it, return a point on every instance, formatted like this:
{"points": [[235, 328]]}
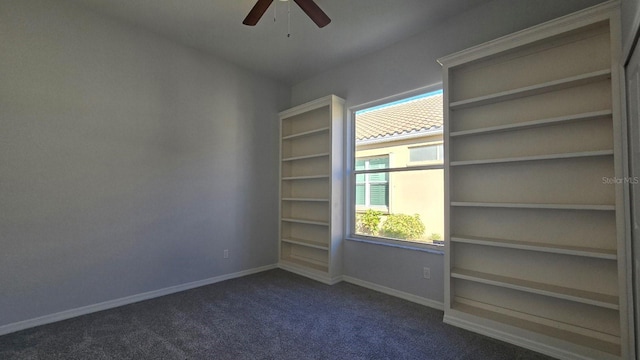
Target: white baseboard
{"points": [[369, 285], [67, 314], [397, 293], [321, 277]]}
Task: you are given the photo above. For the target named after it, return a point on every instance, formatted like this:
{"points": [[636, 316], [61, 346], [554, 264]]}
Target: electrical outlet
{"points": [[426, 272], [226, 254]]}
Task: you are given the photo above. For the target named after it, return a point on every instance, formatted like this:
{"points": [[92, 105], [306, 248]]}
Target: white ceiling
{"points": [[358, 27]]}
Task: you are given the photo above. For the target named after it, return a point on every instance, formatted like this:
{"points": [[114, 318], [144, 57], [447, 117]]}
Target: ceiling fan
{"points": [[309, 7]]}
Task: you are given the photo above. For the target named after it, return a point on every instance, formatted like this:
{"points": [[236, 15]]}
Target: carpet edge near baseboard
{"points": [[397, 293], [110, 304]]}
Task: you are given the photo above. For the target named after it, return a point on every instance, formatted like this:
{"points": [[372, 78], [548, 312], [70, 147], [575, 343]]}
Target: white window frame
{"points": [[349, 168]]}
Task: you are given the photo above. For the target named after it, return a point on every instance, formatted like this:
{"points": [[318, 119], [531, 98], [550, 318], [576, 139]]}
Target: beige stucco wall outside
{"points": [[412, 192]]}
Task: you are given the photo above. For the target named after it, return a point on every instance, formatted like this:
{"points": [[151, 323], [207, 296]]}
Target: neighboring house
{"points": [[400, 135]]}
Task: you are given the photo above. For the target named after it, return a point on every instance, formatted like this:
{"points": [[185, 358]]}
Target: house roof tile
{"points": [[412, 116]]}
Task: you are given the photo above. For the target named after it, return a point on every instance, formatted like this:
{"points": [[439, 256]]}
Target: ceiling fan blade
{"points": [[314, 12], [256, 13]]}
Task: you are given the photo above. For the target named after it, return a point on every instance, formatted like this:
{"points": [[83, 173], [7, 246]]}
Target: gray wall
{"points": [[630, 23], [396, 268], [405, 66], [127, 163]]}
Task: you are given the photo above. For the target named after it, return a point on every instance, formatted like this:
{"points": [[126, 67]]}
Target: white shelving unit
{"points": [[311, 189], [535, 240]]}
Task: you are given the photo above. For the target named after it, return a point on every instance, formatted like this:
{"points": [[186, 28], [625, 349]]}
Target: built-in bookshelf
{"points": [[535, 246], [311, 189]]}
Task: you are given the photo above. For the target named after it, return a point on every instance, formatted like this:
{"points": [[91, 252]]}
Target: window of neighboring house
{"points": [[426, 153], [372, 189], [398, 172]]}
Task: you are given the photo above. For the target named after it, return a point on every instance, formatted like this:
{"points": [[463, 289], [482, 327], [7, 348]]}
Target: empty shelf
{"points": [[308, 243], [306, 133], [309, 222], [560, 292], [535, 123], [308, 177], [586, 207], [533, 89], [541, 247], [535, 158], [305, 157]]}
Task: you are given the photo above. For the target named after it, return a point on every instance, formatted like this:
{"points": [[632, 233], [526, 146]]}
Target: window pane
{"points": [[372, 190], [379, 163], [360, 194], [378, 177], [379, 195], [426, 153], [415, 207]]}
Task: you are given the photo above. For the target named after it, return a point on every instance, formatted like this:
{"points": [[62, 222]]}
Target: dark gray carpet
{"points": [[270, 315]]}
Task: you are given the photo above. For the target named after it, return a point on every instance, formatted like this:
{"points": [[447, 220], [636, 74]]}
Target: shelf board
{"points": [[560, 292], [306, 133], [532, 90], [309, 222], [585, 207], [507, 318], [305, 199], [535, 123], [308, 177], [294, 158], [573, 155], [307, 243], [540, 247], [305, 264]]}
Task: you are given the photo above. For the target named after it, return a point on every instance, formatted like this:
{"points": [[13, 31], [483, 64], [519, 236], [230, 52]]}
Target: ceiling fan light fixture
{"points": [[309, 7]]}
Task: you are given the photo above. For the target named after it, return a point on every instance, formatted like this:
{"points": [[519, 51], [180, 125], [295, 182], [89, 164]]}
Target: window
{"points": [[372, 189], [426, 153], [398, 173]]}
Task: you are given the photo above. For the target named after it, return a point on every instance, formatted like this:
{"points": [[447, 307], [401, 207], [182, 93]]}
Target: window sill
{"points": [[425, 162], [432, 249], [383, 209]]}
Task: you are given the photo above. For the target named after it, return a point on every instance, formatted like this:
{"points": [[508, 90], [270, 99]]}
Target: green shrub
{"points": [[370, 221], [402, 226]]}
